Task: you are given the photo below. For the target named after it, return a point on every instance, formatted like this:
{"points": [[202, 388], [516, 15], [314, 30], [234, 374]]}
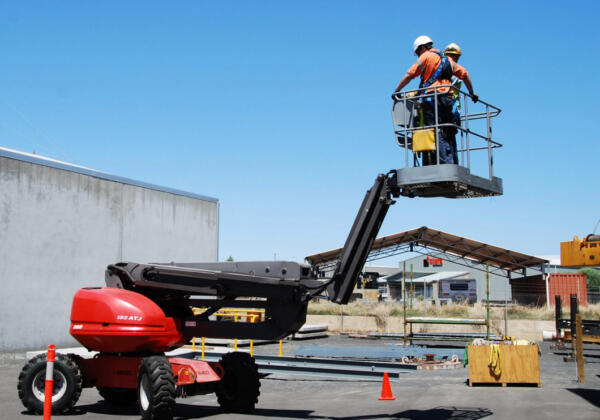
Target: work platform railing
{"points": [[473, 133]]}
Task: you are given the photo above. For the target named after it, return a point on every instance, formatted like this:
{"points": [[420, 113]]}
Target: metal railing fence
{"points": [[405, 115]]}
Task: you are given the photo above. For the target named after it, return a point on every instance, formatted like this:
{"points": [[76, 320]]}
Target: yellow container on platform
{"points": [[423, 140]]}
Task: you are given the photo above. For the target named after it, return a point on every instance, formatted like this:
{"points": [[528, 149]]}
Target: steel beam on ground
{"points": [[338, 369], [363, 365], [327, 372], [389, 352], [466, 337], [463, 321]]}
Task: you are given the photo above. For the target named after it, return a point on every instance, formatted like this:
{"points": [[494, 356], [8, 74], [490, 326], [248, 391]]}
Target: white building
{"points": [[61, 225]]}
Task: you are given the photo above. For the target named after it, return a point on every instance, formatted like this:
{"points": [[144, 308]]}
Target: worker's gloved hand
{"points": [[394, 98], [475, 98]]}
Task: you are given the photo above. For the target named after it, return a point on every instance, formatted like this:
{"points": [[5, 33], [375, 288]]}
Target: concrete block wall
{"points": [[59, 229]]}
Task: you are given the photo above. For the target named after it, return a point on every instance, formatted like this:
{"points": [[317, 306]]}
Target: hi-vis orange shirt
{"points": [[428, 63]]}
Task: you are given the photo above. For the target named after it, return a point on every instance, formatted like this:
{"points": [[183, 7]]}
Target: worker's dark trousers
{"points": [[454, 131], [446, 135]]}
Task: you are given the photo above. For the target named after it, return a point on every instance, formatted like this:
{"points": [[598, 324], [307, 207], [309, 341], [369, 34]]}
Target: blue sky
{"points": [[281, 110]]}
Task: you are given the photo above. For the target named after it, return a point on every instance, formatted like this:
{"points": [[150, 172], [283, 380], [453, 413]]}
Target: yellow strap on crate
{"points": [[494, 365], [423, 140]]}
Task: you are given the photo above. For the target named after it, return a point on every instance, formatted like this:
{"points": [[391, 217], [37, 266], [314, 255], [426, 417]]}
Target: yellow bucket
{"points": [[423, 140]]}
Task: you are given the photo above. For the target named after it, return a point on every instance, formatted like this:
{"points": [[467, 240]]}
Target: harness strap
{"points": [[440, 72]]}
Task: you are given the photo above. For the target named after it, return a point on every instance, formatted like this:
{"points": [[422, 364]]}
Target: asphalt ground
{"points": [[440, 394]]}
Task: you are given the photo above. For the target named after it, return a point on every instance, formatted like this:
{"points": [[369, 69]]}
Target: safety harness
{"points": [[444, 71]]}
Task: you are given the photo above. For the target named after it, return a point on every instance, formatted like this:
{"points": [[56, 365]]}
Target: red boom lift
{"points": [[146, 309]]}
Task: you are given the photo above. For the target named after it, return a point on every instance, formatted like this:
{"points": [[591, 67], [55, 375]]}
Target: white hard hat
{"points": [[421, 40]]}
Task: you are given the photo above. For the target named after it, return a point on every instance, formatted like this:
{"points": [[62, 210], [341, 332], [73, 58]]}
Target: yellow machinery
{"points": [[580, 252]]}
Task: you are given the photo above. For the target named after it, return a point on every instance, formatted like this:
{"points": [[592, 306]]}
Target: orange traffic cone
{"points": [[386, 389]]}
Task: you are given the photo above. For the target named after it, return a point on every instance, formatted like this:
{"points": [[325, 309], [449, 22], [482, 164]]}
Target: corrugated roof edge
{"points": [[41, 160]]}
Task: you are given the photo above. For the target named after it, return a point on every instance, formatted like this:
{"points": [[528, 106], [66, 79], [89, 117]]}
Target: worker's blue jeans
{"points": [[446, 135]]}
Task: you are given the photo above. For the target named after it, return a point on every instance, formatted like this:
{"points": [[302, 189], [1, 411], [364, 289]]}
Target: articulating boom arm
{"points": [[278, 287], [360, 239], [281, 288]]}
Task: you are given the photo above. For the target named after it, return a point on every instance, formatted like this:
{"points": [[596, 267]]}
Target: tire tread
{"points": [[39, 363], [162, 386], [248, 383]]}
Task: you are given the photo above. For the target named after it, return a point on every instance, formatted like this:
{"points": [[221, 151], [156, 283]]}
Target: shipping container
{"points": [[530, 290], [566, 284]]}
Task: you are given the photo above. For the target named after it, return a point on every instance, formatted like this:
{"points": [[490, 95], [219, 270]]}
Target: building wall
{"points": [[59, 229]]}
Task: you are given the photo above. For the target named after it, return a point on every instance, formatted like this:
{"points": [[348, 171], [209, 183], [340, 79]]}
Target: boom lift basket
{"points": [[445, 180]]}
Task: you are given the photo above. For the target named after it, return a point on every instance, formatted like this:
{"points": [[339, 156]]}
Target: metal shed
{"points": [[456, 249]]}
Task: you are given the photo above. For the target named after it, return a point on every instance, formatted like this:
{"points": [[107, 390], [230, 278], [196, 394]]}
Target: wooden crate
{"points": [[519, 365]]}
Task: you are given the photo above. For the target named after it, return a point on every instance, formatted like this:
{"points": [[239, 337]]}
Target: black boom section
{"points": [[178, 289], [282, 288], [360, 239], [281, 320], [175, 280]]}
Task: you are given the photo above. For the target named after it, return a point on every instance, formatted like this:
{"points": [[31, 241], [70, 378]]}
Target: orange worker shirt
{"points": [[428, 63]]}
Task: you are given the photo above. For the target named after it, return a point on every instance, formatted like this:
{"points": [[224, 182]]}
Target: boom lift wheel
{"points": [[156, 389], [67, 384], [239, 389], [118, 396]]}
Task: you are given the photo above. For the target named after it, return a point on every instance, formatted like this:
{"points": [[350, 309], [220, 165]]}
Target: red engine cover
{"points": [[114, 320]]}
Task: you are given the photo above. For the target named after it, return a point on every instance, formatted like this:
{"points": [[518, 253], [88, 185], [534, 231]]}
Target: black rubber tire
{"points": [[156, 389], [118, 396], [67, 384], [239, 389]]}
